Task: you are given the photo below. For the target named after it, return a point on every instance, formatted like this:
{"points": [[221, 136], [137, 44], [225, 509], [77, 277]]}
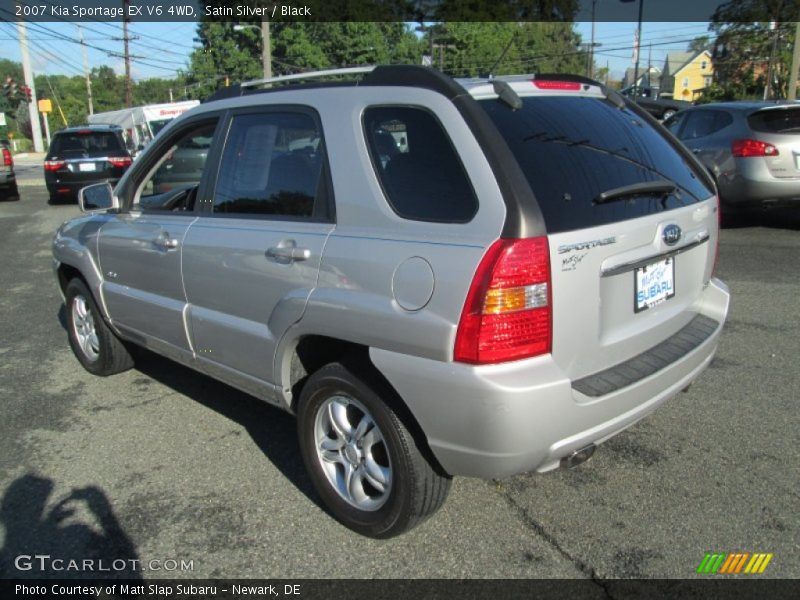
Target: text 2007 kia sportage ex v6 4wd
{"points": [[438, 277]]}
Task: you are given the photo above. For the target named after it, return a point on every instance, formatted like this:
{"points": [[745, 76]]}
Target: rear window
{"points": [[776, 120], [90, 144], [574, 149]]}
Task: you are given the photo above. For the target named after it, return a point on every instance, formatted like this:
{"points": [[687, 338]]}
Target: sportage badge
{"points": [[671, 234]]}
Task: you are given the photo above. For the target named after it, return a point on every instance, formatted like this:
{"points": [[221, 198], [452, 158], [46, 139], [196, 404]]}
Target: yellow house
{"points": [[686, 74]]}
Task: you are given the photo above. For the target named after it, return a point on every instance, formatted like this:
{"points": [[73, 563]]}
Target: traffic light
{"points": [[27, 95], [10, 90]]}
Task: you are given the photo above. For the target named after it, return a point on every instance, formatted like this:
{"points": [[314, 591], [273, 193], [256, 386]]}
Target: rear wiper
{"points": [[636, 189]]}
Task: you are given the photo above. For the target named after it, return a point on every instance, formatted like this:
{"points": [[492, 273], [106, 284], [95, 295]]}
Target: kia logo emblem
{"points": [[672, 234]]}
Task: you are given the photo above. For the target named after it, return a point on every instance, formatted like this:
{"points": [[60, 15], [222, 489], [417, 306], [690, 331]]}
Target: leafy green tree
{"points": [[479, 49], [227, 55], [698, 44], [745, 42]]}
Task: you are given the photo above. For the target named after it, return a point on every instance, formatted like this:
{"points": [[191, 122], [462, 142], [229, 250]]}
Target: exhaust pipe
{"points": [[578, 457]]}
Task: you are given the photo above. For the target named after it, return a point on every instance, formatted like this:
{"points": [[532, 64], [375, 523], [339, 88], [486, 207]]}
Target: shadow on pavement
{"points": [[774, 218], [80, 527], [273, 430]]}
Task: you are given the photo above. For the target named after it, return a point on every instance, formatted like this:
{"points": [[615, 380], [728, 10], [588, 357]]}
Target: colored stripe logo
{"points": [[734, 563]]}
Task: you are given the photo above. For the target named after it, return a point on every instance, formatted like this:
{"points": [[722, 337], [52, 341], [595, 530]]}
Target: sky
{"points": [[160, 49]]}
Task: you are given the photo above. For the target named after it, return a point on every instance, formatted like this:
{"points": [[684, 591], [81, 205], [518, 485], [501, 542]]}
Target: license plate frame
{"points": [[87, 167], [653, 284]]}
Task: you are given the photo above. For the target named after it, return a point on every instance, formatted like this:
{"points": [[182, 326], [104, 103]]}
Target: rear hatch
{"points": [[85, 155], [779, 126], [631, 227]]}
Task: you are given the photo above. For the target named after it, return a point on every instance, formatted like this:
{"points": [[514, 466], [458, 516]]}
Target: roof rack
{"points": [[381, 75], [309, 75]]}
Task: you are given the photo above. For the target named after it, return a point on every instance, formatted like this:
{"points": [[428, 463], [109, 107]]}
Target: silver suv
{"points": [[437, 277]]}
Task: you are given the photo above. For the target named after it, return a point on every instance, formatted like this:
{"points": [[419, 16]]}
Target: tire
{"points": [[393, 486], [95, 346], [667, 114]]}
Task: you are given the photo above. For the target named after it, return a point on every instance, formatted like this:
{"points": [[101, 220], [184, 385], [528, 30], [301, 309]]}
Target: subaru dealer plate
{"points": [[654, 284], [86, 167]]}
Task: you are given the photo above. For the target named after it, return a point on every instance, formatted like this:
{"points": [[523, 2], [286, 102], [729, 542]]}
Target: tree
{"points": [[698, 44], [746, 41], [479, 49], [228, 55]]}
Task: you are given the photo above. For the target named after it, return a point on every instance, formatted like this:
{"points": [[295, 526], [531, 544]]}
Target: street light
{"points": [[266, 56]]}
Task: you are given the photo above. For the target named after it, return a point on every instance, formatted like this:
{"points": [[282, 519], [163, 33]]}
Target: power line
{"points": [[95, 47]]}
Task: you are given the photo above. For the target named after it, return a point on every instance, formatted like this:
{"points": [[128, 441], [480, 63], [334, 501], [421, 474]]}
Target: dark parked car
{"points": [[81, 156], [8, 180], [751, 148], [660, 107]]}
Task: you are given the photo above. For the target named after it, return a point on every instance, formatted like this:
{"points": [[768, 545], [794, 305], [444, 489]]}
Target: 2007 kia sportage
{"points": [[438, 277]]}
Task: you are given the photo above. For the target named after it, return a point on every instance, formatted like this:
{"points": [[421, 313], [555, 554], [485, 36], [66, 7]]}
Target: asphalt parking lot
{"points": [[161, 463]]}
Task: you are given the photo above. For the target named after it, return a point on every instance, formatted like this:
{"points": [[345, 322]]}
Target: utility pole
{"points": [[441, 48], [775, 31], [590, 67], [125, 39], [266, 50], [638, 45], [33, 111], [795, 63], [170, 95], [86, 71]]}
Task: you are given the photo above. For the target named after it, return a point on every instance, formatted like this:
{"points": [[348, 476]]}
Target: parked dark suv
{"points": [[8, 180], [81, 156]]}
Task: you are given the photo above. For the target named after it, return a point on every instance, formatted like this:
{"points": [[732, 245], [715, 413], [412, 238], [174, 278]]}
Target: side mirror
{"points": [[97, 197]]}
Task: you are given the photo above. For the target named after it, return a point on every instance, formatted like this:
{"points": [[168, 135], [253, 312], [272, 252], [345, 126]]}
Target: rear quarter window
{"points": [[418, 167], [571, 149]]}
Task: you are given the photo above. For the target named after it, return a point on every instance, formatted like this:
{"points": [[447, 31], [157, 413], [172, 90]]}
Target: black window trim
{"points": [[375, 171], [153, 154], [325, 193]]}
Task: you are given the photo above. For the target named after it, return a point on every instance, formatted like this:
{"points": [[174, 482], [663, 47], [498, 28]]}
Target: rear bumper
{"points": [[754, 186], [499, 420], [73, 187]]}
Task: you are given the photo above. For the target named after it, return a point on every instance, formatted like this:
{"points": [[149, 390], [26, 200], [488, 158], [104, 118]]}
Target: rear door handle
{"points": [[287, 252], [166, 242]]}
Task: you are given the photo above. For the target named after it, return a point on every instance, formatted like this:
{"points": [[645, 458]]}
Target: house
{"points": [[646, 79], [686, 74]]}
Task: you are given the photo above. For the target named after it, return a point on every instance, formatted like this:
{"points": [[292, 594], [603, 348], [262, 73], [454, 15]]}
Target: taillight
{"points": [[719, 231], [507, 314], [748, 148], [544, 84], [121, 161], [7, 160], [53, 165]]}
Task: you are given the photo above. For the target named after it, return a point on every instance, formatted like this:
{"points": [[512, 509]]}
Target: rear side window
{"points": [[701, 123], [776, 120], [416, 164], [88, 144], [572, 149], [271, 166]]}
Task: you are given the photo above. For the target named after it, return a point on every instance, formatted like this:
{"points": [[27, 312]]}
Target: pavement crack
{"points": [[531, 523]]}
